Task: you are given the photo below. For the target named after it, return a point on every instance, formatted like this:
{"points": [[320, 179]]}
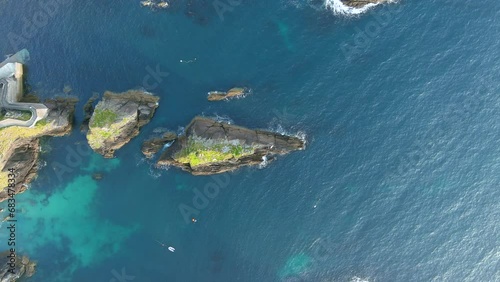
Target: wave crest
{"points": [[339, 8]]}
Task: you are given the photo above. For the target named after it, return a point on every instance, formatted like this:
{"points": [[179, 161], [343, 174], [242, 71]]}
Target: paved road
{"points": [[8, 93]]}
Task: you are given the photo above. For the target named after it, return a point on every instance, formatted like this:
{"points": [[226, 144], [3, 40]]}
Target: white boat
{"points": [[172, 249]]}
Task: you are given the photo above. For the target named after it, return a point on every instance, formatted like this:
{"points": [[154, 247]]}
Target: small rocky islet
{"points": [[117, 119], [210, 147], [236, 92]]}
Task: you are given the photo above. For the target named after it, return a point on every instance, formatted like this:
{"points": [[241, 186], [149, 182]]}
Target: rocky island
{"points": [[232, 93], [362, 3], [211, 147], [24, 268], [117, 119]]}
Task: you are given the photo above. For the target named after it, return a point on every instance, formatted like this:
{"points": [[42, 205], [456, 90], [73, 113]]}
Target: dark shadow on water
{"points": [[147, 31]]}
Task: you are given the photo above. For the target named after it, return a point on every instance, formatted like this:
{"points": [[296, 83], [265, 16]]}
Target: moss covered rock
{"points": [[209, 147], [117, 119]]}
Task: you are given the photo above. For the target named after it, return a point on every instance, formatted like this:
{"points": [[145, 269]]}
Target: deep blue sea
{"points": [[400, 105]]}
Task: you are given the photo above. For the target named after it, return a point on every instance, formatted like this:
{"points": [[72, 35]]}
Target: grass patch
{"points": [[41, 123], [10, 135], [14, 114], [200, 151], [102, 118], [25, 116], [97, 136]]}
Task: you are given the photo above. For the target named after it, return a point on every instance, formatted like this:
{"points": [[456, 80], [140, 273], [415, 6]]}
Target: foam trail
{"points": [[340, 8]]}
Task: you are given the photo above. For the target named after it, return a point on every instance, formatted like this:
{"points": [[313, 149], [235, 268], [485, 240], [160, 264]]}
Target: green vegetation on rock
{"points": [[41, 123], [98, 135], [14, 114], [103, 118], [200, 151], [12, 134]]}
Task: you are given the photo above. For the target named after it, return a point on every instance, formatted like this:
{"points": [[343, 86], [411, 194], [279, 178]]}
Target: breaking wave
{"points": [[339, 8], [278, 128], [358, 279], [336, 6], [264, 163]]}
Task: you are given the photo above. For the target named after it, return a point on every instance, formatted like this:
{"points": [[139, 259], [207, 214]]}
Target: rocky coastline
{"points": [[24, 268], [117, 118], [211, 147], [20, 146]]}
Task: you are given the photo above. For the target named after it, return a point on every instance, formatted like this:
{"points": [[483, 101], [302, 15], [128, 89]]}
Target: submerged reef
{"points": [[117, 119], [210, 147]]}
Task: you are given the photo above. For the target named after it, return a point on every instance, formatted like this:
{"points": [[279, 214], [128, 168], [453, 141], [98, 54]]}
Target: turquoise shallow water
{"points": [[399, 181]]}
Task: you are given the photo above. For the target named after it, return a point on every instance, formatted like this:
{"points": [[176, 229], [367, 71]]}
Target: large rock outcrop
{"points": [[24, 268], [211, 147], [117, 119], [20, 146]]}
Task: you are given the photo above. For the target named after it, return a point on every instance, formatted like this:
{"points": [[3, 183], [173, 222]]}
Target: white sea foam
{"points": [[223, 119], [339, 8], [167, 145], [264, 162], [155, 172], [180, 130], [278, 128], [357, 279]]}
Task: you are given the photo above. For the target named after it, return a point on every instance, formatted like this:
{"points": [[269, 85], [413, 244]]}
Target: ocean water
{"points": [[399, 105]]}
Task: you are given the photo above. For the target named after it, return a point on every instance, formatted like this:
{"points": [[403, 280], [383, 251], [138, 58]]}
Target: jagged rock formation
{"points": [[211, 147], [152, 146], [24, 268], [20, 146], [118, 118]]}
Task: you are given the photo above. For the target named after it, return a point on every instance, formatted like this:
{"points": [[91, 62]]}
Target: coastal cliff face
{"points": [[118, 118], [25, 268], [20, 146], [362, 3], [211, 147]]}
